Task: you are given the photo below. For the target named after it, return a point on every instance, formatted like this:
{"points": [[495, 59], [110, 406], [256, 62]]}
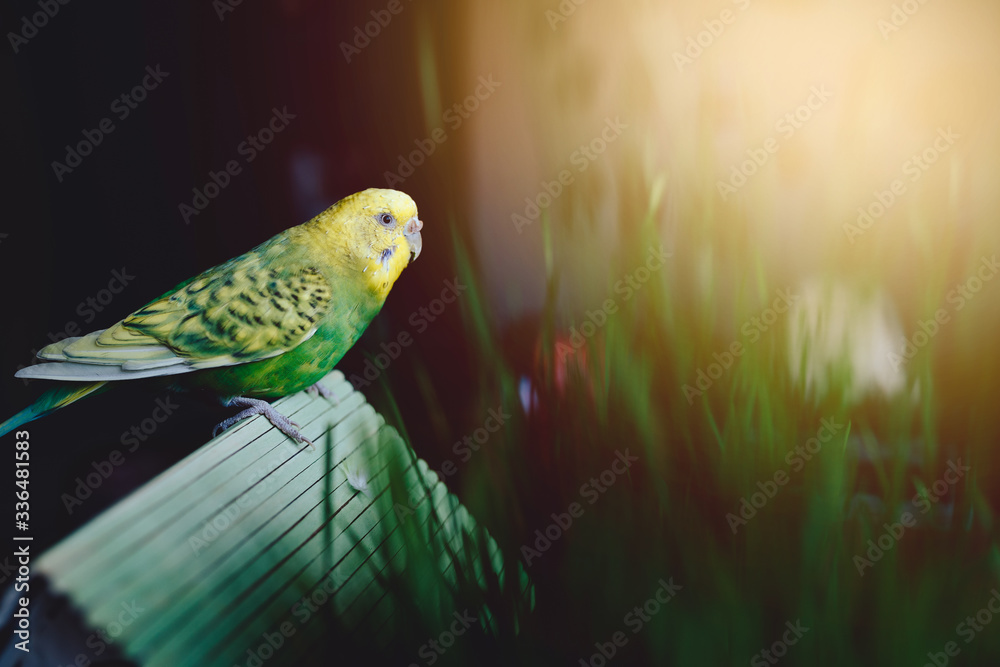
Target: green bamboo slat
{"points": [[220, 548]]}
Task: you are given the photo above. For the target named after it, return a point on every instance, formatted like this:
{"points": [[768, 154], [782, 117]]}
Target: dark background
{"points": [[120, 207]]}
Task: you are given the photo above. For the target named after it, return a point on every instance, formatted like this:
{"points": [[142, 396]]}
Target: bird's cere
{"points": [[412, 233]]}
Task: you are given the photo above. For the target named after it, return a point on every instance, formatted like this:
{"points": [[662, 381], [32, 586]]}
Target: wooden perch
{"points": [[253, 534]]}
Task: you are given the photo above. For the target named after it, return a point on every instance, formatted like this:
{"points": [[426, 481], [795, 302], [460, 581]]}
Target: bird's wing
{"points": [[235, 313]]}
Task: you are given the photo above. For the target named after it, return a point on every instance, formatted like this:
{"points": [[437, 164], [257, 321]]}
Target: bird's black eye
{"points": [[387, 220]]}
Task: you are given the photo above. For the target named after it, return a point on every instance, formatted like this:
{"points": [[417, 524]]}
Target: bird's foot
{"points": [[256, 406], [322, 390]]}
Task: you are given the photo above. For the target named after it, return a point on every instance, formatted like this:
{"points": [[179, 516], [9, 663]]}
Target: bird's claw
{"points": [[256, 406], [322, 390]]}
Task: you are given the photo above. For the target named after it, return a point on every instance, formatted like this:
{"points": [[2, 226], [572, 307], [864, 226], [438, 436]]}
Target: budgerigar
{"points": [[263, 325]]}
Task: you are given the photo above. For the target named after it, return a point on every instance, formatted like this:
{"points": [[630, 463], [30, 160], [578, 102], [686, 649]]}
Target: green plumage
{"points": [[268, 323]]}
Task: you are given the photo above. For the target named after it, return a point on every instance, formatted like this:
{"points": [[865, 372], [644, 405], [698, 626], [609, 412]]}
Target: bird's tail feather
{"points": [[50, 401]]}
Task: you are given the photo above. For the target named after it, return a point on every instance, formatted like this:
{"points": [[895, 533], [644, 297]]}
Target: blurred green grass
{"points": [[667, 516]]}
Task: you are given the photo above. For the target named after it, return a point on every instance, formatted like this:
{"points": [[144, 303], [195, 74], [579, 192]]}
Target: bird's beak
{"points": [[412, 234]]}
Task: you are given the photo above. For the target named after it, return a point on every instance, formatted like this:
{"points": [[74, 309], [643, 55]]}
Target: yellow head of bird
{"points": [[379, 230]]}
